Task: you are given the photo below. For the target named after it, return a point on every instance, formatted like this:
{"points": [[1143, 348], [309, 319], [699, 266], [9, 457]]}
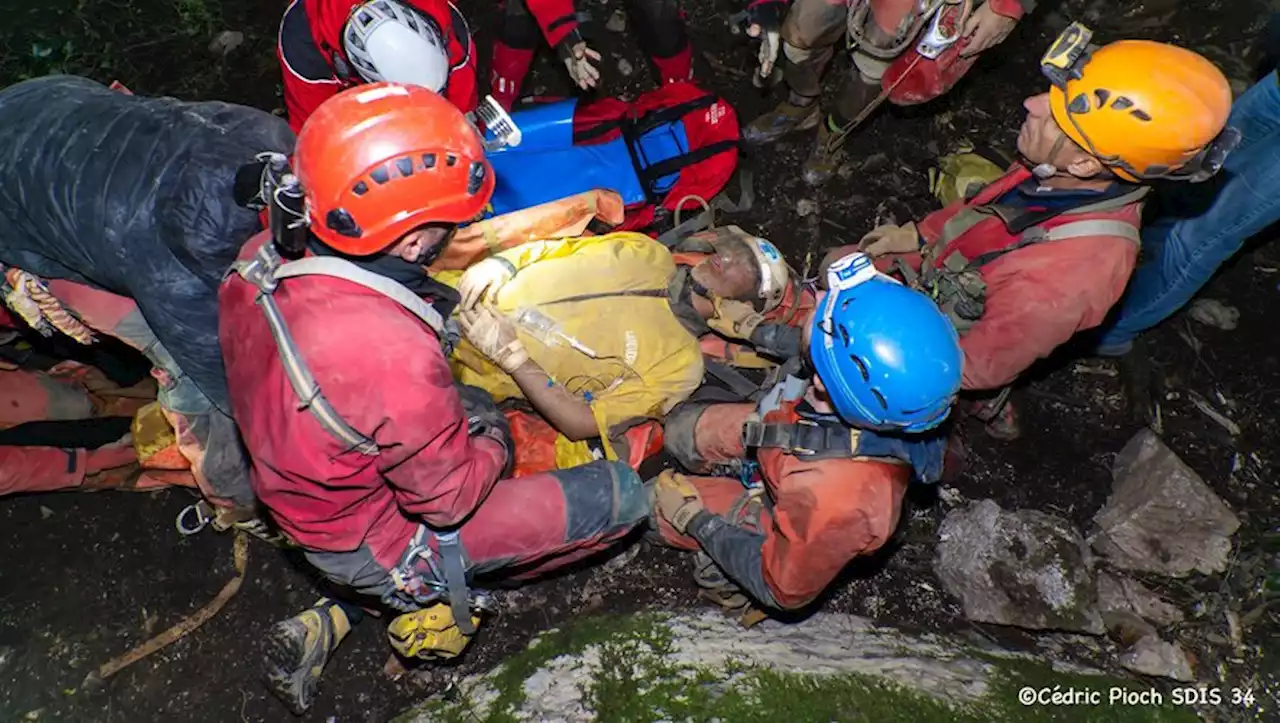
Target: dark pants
{"points": [[527, 526]]}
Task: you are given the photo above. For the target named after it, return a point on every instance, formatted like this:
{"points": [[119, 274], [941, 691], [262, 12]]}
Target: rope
{"points": [[26, 290]]}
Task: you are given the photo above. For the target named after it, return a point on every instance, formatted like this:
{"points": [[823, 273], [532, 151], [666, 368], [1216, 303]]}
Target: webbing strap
{"points": [[455, 580], [1075, 229], [342, 269], [737, 382], [265, 272], [305, 385], [802, 439]]}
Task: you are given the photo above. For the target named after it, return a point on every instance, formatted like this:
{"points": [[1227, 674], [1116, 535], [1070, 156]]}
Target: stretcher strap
{"points": [[802, 439]]}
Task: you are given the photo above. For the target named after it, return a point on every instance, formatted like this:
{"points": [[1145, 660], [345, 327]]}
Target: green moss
{"points": [[639, 681], [508, 679]]}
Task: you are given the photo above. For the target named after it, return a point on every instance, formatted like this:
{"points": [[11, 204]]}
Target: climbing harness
{"points": [[446, 579]]}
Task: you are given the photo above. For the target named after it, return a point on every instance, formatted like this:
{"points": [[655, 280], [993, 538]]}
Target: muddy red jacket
{"points": [[385, 373], [315, 67], [1039, 295]]}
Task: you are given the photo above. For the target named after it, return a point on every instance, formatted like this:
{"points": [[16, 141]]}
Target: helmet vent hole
{"points": [[451, 160], [405, 166], [380, 175], [1122, 103], [862, 369], [1140, 114], [1102, 96], [428, 161], [360, 188], [475, 177], [844, 335], [880, 398], [364, 18], [1079, 104]]}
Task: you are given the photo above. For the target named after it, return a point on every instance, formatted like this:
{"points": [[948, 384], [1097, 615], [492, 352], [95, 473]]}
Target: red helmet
{"points": [[377, 161]]}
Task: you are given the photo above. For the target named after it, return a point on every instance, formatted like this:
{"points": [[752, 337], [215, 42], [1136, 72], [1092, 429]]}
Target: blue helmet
{"points": [[888, 357]]}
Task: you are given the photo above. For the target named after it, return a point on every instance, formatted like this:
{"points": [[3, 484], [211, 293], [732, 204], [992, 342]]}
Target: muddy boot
{"points": [[827, 154], [998, 416], [785, 119], [717, 588], [297, 650]]}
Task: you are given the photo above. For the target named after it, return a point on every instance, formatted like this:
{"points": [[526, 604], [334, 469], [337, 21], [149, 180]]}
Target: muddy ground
{"points": [[85, 577]]}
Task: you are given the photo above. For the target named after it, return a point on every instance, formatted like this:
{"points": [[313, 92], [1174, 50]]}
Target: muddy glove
{"points": [[428, 634], [493, 335], [676, 499], [735, 319], [580, 59], [764, 21], [890, 239], [484, 279]]}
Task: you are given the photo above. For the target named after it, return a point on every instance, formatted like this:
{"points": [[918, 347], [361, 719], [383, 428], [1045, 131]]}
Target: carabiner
{"points": [[203, 518]]}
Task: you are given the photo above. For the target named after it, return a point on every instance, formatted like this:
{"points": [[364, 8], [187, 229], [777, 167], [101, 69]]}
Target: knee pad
{"points": [[659, 27], [633, 495], [516, 27]]}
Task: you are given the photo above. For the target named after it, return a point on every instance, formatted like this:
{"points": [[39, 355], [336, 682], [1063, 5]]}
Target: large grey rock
{"points": [[1161, 517], [1153, 656], [1117, 593], [1024, 568], [708, 649]]}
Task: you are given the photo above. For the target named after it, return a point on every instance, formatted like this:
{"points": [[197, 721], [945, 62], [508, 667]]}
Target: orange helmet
{"points": [[377, 161], [1146, 109]]}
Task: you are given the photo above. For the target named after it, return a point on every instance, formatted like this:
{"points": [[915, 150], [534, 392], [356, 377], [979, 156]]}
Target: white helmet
{"points": [[774, 272], [388, 40]]}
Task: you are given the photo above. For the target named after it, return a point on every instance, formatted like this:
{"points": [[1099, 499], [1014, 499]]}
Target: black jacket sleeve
{"points": [[737, 551]]}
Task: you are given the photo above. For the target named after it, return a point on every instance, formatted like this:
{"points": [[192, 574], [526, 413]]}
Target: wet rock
{"points": [[1025, 568], [1161, 517], [1212, 312], [617, 22], [625, 67], [1120, 593], [875, 162], [806, 207], [1153, 656]]}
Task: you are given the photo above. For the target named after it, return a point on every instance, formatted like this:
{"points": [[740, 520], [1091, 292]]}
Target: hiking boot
{"points": [[782, 120], [998, 416], [297, 650], [826, 157]]}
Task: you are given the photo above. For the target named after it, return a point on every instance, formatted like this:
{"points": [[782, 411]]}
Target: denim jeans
{"points": [[1201, 225]]}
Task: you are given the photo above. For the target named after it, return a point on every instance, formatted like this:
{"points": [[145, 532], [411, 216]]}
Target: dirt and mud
{"points": [[85, 577]]}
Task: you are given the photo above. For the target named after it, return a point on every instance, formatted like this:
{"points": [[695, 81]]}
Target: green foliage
{"points": [[155, 47]]}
